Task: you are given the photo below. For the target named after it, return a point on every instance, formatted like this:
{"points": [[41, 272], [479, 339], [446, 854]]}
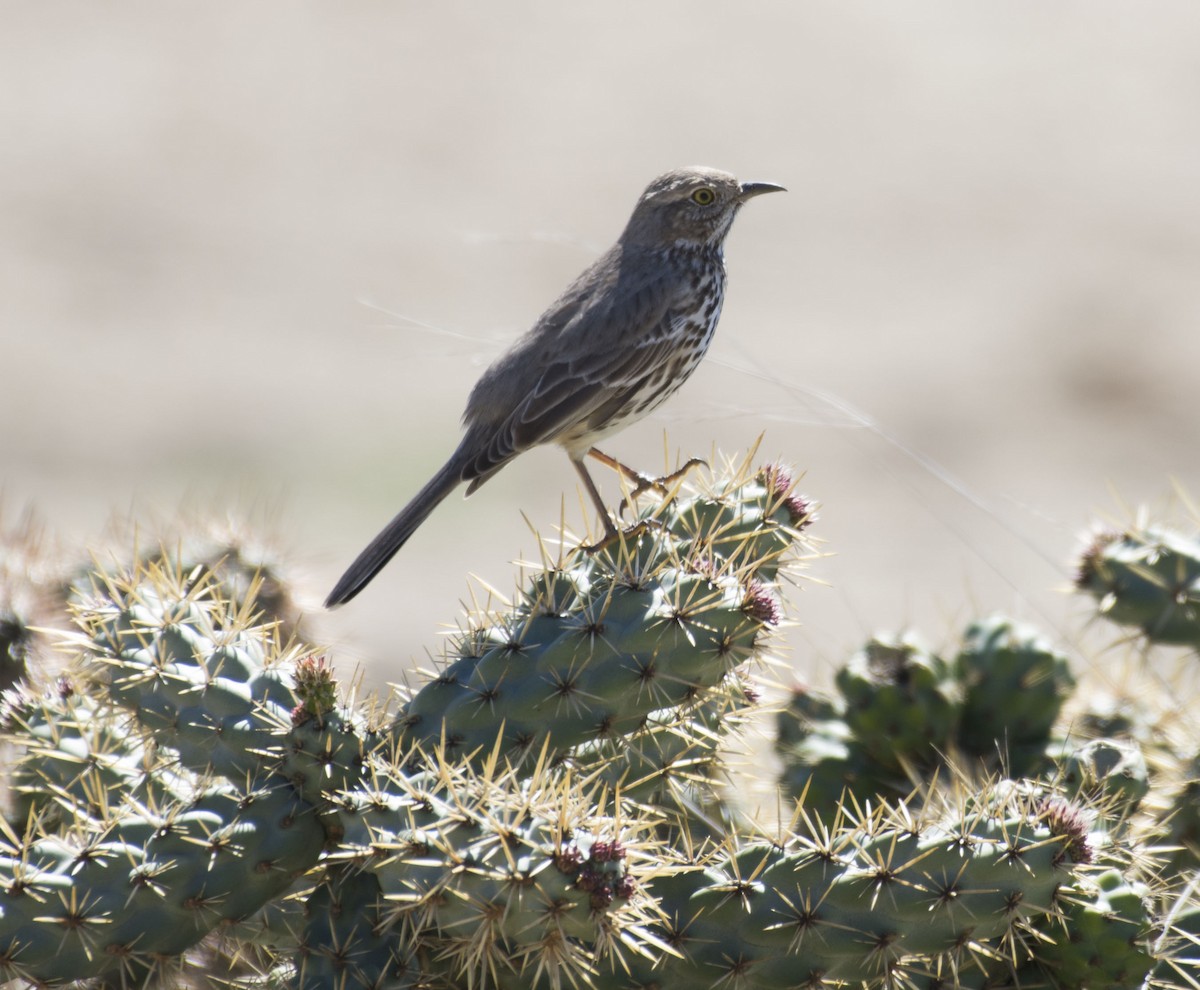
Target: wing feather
{"points": [[610, 331]]}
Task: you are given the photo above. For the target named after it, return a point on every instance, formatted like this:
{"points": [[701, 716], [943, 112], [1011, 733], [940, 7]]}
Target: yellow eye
{"points": [[704, 196]]}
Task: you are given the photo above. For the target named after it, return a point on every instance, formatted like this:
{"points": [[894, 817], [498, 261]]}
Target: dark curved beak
{"points": [[749, 190]]}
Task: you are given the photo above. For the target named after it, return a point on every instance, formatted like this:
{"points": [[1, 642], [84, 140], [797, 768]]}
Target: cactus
{"points": [[1014, 687], [1105, 768], [486, 875], [600, 642], [901, 711], [184, 689], [80, 759], [902, 702], [110, 897], [547, 810], [823, 762], [1148, 578], [126, 850], [1109, 921], [675, 765], [871, 902]]}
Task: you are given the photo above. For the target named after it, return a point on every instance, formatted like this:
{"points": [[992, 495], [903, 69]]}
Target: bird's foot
{"points": [[614, 535], [661, 485]]}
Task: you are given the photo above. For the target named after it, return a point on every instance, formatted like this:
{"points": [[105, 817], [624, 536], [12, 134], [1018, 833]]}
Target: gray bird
{"points": [[621, 339]]}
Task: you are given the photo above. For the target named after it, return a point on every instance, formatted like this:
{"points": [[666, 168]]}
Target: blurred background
{"points": [[254, 256]]}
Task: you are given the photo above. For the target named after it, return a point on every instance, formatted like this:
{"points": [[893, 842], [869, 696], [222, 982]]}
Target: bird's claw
{"points": [[661, 485], [614, 534]]}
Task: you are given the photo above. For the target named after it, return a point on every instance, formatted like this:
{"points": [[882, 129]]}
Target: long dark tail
{"points": [[395, 534]]}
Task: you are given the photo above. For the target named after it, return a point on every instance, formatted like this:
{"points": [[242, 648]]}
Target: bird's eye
{"points": [[704, 196]]}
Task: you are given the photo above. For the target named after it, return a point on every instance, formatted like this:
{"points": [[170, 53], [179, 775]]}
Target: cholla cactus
{"points": [[901, 712], [1148, 578], [541, 813], [601, 641], [1014, 685]]}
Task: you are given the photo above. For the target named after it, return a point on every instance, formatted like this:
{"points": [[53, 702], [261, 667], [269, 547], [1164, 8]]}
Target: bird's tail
{"points": [[395, 534]]}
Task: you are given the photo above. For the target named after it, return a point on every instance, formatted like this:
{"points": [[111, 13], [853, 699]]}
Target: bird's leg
{"points": [[643, 483], [636, 477], [610, 530]]}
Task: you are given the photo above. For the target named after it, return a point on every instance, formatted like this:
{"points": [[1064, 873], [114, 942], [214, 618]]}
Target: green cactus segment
{"points": [[189, 674], [1147, 578], [1108, 771], [742, 521], [601, 669], [498, 892], [1015, 684], [494, 879], [895, 713], [982, 973], [675, 763], [593, 647], [101, 900], [804, 711], [344, 942], [125, 852], [822, 762], [1107, 923], [217, 690], [235, 565], [871, 903], [321, 756], [902, 702], [901, 710], [80, 761]]}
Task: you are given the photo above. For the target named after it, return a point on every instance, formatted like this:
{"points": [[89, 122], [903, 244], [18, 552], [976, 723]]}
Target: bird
{"points": [[615, 345]]}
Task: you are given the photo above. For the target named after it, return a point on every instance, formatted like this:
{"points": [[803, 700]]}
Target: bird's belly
{"points": [[655, 387]]}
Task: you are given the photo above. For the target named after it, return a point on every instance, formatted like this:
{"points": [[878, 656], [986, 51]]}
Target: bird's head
{"points": [[694, 205]]}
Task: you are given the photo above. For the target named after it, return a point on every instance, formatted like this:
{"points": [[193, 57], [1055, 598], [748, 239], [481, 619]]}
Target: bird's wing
{"points": [[577, 388], [572, 392]]}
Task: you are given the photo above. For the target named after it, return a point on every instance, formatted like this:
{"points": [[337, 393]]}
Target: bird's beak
{"points": [[749, 190]]}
